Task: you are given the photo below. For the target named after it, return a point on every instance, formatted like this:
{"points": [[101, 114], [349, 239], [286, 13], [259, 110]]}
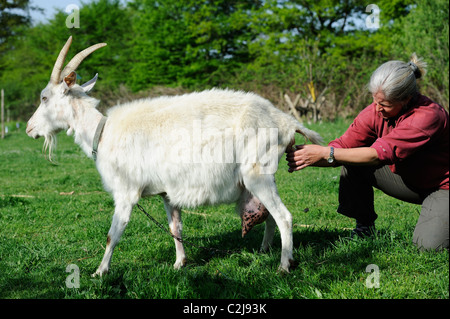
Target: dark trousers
{"points": [[356, 200]]}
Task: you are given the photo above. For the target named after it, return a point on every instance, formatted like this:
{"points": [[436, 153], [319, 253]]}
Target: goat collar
{"points": [[98, 134]]}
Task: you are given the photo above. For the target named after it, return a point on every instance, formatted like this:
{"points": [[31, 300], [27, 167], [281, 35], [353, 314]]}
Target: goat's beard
{"points": [[49, 145]]}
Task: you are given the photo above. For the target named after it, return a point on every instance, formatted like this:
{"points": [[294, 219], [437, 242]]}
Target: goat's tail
{"points": [[310, 135]]}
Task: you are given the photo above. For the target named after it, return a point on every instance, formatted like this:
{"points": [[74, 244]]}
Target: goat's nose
{"points": [[29, 129]]}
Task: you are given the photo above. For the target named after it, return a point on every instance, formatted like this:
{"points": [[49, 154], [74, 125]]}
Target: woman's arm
{"points": [[316, 155]]}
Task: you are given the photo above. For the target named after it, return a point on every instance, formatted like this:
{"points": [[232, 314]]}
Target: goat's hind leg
{"points": [[269, 231], [175, 225], [265, 189]]}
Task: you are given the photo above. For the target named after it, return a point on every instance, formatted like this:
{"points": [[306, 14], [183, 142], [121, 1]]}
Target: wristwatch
{"points": [[331, 157]]}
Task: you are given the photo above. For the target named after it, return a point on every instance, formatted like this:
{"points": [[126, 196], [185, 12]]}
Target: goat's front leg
{"points": [[175, 225], [120, 220]]}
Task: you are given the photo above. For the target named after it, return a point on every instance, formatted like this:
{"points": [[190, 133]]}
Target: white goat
{"points": [[206, 148]]}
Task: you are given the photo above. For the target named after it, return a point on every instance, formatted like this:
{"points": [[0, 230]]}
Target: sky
{"points": [[49, 7]]}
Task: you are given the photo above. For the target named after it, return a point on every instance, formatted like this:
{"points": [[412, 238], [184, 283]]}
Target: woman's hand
{"points": [[307, 155], [315, 155]]}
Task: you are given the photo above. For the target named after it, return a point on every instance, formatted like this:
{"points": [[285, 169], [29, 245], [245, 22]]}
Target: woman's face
{"points": [[387, 109]]}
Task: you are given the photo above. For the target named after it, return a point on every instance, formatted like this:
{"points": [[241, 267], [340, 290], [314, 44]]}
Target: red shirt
{"points": [[414, 144]]}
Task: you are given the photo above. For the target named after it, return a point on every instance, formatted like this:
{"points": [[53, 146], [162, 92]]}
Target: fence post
{"points": [[3, 113]]}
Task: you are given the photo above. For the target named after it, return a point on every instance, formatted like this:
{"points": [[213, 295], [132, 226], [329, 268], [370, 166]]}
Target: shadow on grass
{"points": [[201, 249], [33, 284], [237, 269], [228, 267]]}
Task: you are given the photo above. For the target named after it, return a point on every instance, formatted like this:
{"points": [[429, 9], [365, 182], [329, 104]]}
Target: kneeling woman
{"points": [[398, 144]]}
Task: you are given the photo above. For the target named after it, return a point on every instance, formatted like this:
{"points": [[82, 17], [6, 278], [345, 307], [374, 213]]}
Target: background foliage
{"points": [[272, 47]]}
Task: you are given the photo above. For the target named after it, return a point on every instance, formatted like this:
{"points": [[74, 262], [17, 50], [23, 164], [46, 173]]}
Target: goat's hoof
{"points": [[99, 273], [179, 264], [264, 249], [285, 269]]}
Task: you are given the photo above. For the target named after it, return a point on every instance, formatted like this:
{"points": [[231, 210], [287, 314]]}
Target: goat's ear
{"points": [[69, 81], [89, 84]]}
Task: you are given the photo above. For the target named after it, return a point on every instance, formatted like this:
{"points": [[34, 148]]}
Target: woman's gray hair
{"points": [[397, 79]]}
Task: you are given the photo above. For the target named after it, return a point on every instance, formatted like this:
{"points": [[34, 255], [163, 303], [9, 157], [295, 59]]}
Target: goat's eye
{"points": [[44, 99]]}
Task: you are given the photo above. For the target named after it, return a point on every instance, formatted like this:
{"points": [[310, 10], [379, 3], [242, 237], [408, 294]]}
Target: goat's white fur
{"points": [[137, 154]]}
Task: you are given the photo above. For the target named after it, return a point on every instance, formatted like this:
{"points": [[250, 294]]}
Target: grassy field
{"points": [[53, 216]]}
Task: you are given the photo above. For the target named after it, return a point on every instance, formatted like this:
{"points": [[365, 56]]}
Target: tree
{"points": [[32, 53], [13, 13], [188, 42], [426, 31], [268, 46], [159, 43], [219, 33]]}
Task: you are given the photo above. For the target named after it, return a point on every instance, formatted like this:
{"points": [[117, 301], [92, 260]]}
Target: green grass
{"points": [[45, 227]]}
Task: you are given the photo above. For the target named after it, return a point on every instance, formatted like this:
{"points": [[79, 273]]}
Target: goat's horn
{"points": [[54, 78], [77, 59]]}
